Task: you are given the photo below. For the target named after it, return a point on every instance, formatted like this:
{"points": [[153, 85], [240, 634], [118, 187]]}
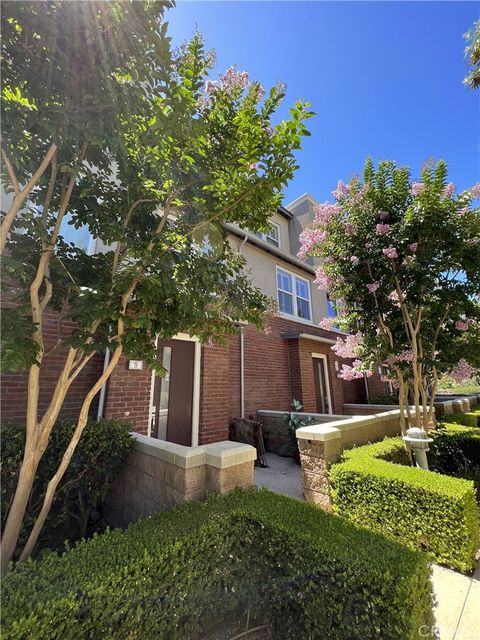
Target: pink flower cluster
{"points": [[354, 372], [474, 192], [348, 347], [309, 238], [323, 281], [463, 371], [448, 190], [382, 229], [327, 323], [373, 286], [233, 80], [417, 188], [383, 215], [390, 252], [325, 212], [350, 229], [395, 298], [461, 325], [342, 191], [354, 260], [406, 356]]}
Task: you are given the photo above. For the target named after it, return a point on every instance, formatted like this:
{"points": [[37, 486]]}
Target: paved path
{"points": [[457, 612], [282, 476]]}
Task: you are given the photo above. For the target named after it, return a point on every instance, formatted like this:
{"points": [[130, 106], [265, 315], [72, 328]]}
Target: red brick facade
{"points": [[277, 369]]}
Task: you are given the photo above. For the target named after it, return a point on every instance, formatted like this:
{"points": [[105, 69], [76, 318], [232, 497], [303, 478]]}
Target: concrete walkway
{"points": [[457, 612], [282, 475]]}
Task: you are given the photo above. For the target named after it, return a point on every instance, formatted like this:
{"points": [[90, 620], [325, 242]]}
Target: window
{"points": [[293, 295], [272, 236]]}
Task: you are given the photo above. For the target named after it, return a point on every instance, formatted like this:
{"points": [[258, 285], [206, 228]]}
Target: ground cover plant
{"points": [[374, 487], [180, 573]]}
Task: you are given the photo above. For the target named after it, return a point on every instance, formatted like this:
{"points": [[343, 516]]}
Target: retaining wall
{"points": [[160, 474]]}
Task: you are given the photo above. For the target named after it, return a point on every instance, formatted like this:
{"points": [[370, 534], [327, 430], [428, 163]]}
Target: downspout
{"points": [[242, 373], [103, 390], [367, 392]]}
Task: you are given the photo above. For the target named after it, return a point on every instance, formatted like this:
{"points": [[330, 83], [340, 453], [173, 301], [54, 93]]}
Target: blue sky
{"points": [[384, 78]]}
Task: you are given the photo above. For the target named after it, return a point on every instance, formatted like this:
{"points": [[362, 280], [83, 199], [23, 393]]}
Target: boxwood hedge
{"points": [[422, 509], [179, 573], [470, 419]]}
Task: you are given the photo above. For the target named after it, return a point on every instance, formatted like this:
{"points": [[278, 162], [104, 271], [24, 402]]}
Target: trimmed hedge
{"points": [[422, 509], [470, 419], [179, 573]]}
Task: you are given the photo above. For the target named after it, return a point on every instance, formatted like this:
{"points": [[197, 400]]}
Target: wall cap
{"points": [[218, 454]]}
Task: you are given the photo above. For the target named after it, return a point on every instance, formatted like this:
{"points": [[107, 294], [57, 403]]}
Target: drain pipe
{"points": [[367, 392], [103, 390], [242, 373]]}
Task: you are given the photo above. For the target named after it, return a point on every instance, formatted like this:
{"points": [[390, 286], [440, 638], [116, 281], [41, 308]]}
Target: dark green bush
{"points": [[179, 573], [386, 399], [422, 509], [455, 451], [76, 509]]}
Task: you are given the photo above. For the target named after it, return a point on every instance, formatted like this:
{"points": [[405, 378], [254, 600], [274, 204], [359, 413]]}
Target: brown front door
{"points": [[320, 376], [173, 394]]}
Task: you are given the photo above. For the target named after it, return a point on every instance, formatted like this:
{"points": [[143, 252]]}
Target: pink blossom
{"points": [[474, 192], [260, 91], [350, 229], [413, 247], [406, 356], [325, 212], [394, 297], [463, 371], [368, 245], [329, 260], [382, 229], [233, 80], [210, 87], [354, 260], [327, 323], [383, 215], [341, 191], [348, 347], [448, 190], [323, 281], [463, 211], [461, 325], [253, 167], [373, 286], [390, 252], [309, 238], [354, 372], [417, 188]]}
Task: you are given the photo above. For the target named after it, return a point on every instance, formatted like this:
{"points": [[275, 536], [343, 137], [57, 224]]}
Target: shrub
{"points": [[386, 399], [470, 419], [456, 451], [422, 509], [99, 456], [179, 573]]}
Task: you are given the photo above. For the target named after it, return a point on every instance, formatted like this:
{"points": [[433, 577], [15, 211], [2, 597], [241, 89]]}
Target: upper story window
{"points": [[293, 295], [272, 236]]}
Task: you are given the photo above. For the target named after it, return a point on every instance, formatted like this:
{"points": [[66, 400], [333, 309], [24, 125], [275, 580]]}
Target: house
{"points": [[208, 385]]}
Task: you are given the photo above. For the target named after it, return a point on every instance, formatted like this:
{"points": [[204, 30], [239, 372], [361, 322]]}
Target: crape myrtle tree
{"points": [[109, 129], [472, 53], [402, 260]]}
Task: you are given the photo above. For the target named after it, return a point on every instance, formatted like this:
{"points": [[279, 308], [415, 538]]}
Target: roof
{"points": [[285, 212], [300, 199]]}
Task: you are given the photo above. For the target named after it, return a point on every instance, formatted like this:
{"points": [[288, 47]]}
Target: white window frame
{"points": [[294, 295], [275, 242]]}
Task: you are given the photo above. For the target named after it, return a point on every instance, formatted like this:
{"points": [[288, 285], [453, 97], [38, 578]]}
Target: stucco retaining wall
{"points": [[159, 475]]}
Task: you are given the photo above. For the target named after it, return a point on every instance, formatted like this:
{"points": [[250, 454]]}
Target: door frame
{"points": [[196, 387], [324, 357]]}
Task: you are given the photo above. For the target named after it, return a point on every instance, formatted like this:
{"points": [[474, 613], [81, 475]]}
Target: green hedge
{"points": [[422, 509], [177, 574], [77, 506], [456, 451], [470, 419]]}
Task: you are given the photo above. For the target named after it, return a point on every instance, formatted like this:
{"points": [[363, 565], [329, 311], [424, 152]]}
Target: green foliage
{"points": [[422, 509], [157, 144], [469, 419], [472, 53], [179, 573], [386, 399], [455, 451], [77, 506]]}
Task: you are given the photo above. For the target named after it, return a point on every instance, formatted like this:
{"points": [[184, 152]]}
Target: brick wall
{"points": [[14, 385], [128, 395]]}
